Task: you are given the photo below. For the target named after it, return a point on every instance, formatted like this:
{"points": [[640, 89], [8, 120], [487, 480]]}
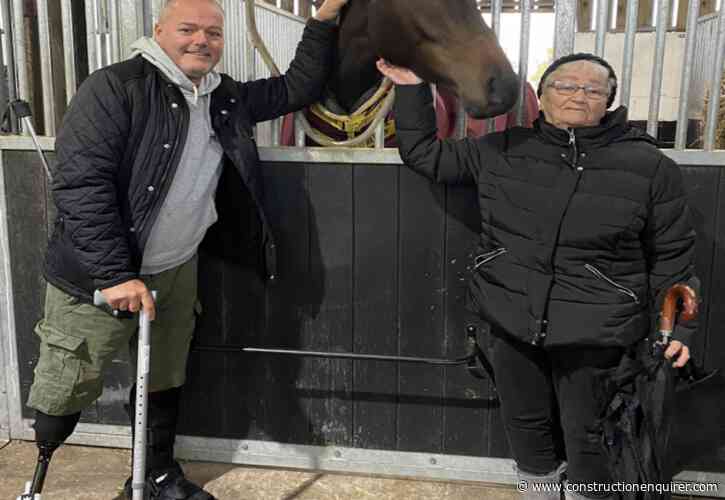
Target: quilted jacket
{"points": [[581, 229], [118, 148]]}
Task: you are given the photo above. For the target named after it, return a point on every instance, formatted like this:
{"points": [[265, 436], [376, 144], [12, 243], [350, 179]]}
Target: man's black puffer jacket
{"points": [[118, 148], [581, 230]]}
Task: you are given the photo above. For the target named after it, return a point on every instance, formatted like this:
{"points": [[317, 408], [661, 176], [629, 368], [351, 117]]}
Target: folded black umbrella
{"points": [[639, 401]]}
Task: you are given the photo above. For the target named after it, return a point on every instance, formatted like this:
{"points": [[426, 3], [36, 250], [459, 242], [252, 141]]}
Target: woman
{"points": [[584, 226]]}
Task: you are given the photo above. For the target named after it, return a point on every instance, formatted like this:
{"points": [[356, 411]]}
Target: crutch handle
{"points": [[100, 301], [21, 108]]}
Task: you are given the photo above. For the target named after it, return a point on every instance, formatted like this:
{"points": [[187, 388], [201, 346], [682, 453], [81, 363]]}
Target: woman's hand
{"points": [[679, 351], [397, 74], [329, 10]]}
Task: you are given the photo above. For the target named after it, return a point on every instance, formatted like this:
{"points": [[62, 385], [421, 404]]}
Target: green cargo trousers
{"points": [[78, 342]]}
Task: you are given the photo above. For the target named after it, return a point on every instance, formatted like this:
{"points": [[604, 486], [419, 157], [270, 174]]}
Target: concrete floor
{"points": [[85, 473]]}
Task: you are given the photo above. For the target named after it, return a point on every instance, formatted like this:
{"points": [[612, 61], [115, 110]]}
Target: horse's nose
{"points": [[502, 92]]}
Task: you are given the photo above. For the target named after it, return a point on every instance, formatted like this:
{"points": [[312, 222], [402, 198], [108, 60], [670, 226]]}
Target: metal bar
{"points": [[341, 355], [114, 34], [46, 68], [461, 122], [21, 65], [98, 34], [69, 49], [148, 18], [565, 26], [380, 135], [105, 32], [300, 136], [93, 64], [496, 8], [630, 29], [687, 62], [274, 131], [523, 59], [5, 84], [714, 104], [8, 330], [602, 15], [658, 67]]}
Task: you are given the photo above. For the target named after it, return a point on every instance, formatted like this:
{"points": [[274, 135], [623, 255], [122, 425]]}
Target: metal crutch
{"points": [[138, 478], [22, 111]]}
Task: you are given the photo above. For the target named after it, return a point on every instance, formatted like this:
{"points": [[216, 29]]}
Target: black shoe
{"points": [[168, 484]]}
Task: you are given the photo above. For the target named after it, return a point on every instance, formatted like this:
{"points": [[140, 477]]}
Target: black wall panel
{"points": [[372, 259]]}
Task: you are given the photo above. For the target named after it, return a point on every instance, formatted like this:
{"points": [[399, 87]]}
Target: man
{"points": [[584, 227], [141, 152]]}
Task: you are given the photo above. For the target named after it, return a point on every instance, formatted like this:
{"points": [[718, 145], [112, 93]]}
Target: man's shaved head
{"points": [[170, 4], [191, 32]]}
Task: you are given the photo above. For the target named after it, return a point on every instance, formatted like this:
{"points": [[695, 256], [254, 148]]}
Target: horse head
{"points": [[445, 42]]}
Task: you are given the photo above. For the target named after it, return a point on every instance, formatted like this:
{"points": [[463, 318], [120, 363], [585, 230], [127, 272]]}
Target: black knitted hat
{"points": [[581, 56]]}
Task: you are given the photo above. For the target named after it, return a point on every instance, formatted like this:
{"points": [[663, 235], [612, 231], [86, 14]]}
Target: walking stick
{"points": [[138, 478]]}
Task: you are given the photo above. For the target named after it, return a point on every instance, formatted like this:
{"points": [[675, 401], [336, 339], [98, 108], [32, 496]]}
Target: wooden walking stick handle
{"points": [[669, 308]]}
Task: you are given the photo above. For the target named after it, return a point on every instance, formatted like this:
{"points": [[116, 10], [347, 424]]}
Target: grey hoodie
{"points": [[188, 210]]}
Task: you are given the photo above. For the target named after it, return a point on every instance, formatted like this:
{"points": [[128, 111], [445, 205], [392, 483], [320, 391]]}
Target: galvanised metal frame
{"points": [[265, 453]]}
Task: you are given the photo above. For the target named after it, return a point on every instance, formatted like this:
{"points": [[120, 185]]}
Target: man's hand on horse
{"points": [[131, 296], [329, 10], [678, 351], [397, 74]]}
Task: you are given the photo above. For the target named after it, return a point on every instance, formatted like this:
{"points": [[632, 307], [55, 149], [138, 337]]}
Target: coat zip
{"points": [[621, 288], [487, 257], [540, 336], [572, 145]]}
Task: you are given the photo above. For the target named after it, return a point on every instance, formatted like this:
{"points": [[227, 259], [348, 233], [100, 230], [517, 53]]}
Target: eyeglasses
{"points": [[571, 88]]}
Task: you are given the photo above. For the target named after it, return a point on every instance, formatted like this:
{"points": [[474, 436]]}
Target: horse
{"points": [[446, 42]]}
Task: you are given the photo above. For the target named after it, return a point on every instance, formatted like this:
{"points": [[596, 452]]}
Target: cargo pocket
{"points": [[58, 370]]}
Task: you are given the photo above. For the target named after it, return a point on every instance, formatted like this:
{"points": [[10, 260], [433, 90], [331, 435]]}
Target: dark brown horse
{"points": [[444, 41]]}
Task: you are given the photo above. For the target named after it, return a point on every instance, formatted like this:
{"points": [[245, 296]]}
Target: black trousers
{"points": [[549, 405]]}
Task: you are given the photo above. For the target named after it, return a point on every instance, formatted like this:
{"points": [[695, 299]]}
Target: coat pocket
{"points": [[487, 257], [617, 286]]}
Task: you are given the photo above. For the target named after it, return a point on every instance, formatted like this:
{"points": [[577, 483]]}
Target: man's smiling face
{"points": [[191, 32]]}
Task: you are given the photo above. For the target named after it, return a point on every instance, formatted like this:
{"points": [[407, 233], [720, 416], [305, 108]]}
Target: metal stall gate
{"points": [[372, 259]]}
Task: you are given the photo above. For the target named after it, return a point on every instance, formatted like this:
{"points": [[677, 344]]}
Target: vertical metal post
{"points": [[461, 127], [69, 49], [687, 62], [93, 58], [496, 8], [46, 68], [251, 63], [602, 28], [629, 39], [300, 136], [565, 24], [380, 135], [148, 18], [98, 30], [114, 21], [658, 67], [274, 131], [19, 48], [523, 59], [714, 104], [11, 62]]}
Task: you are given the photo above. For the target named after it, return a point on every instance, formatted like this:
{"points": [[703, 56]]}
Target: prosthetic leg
{"points": [[50, 433]]}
